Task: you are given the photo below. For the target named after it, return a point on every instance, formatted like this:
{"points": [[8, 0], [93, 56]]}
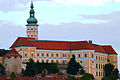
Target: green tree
{"points": [[87, 76], [30, 68], [110, 72], [3, 52], [73, 66], [71, 78], [108, 69], [2, 69], [116, 72]]}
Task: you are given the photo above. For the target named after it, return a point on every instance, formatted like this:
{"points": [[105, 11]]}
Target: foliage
{"points": [[3, 52], [108, 69], [50, 67], [2, 69], [110, 72], [12, 76], [30, 68], [73, 66], [33, 68], [71, 78], [87, 76]]}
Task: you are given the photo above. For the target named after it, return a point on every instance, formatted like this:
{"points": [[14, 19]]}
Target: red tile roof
{"points": [[13, 53], [62, 45]]}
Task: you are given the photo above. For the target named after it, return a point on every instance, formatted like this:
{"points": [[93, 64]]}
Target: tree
{"points": [[116, 73], [87, 76], [30, 68], [3, 52], [110, 72], [71, 78], [73, 66], [2, 69], [108, 69]]}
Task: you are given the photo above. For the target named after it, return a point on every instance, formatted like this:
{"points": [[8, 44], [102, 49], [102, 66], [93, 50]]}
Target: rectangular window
{"points": [[25, 54], [96, 73], [37, 54], [52, 55], [56, 55], [96, 66], [96, 57], [47, 55], [92, 55], [85, 55], [42, 54], [79, 55]]}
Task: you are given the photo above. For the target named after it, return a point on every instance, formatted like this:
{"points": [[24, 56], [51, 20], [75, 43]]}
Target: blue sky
{"points": [[96, 20]]}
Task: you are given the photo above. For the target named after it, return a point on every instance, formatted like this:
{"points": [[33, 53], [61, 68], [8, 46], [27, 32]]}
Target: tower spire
{"points": [[32, 20], [32, 26]]}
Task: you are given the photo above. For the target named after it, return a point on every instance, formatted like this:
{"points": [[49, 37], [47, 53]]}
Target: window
{"points": [[28, 28], [80, 61], [31, 28], [35, 28], [85, 55], [42, 54], [56, 61], [31, 35], [52, 61], [42, 61], [35, 35], [96, 73], [99, 57], [32, 54], [28, 35], [47, 61], [92, 55], [64, 61], [99, 73], [57, 55], [64, 55], [92, 61], [79, 55], [52, 55], [37, 54], [47, 55], [99, 66], [96, 66], [108, 60], [96, 57], [25, 54]]}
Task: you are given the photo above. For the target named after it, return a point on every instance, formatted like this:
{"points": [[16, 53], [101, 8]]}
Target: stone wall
{"points": [[13, 65]]}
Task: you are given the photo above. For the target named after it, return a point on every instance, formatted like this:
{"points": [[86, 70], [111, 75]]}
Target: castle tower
{"points": [[32, 26]]}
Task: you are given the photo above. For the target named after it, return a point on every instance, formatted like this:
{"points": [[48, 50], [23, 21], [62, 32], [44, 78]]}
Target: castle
{"points": [[91, 56]]}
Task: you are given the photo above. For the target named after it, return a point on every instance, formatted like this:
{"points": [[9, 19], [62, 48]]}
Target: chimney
{"points": [[90, 41]]}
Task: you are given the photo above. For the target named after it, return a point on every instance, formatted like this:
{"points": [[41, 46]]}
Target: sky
{"points": [[66, 20]]}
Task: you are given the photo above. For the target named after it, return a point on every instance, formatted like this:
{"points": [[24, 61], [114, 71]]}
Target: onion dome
{"points": [[32, 20]]}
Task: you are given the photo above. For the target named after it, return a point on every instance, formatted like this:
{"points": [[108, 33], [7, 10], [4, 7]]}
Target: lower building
{"points": [[91, 56]]}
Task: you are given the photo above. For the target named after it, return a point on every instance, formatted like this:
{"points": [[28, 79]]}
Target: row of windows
{"points": [[99, 73], [43, 55], [98, 66], [100, 58], [50, 61], [52, 55], [32, 36], [32, 29]]}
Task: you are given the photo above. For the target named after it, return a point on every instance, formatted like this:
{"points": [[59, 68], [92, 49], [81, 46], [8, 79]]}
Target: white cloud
{"points": [[85, 2]]}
